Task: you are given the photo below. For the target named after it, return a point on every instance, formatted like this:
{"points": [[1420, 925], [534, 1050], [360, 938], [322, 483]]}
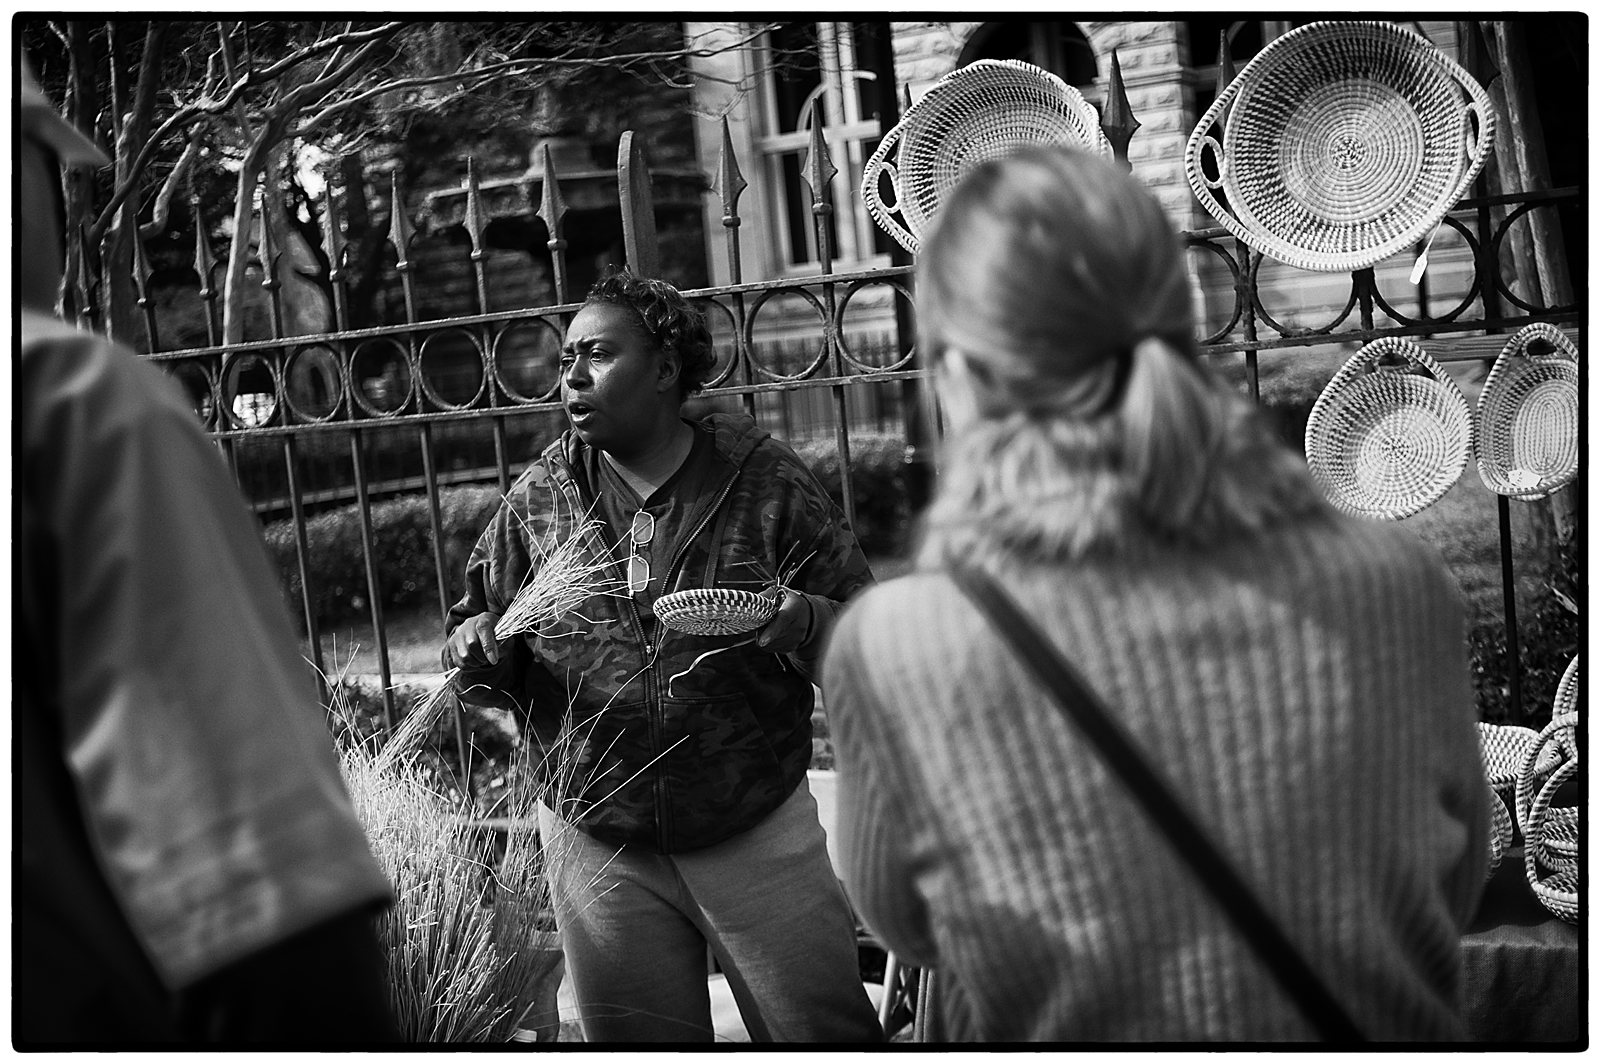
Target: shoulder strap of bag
{"points": [[1156, 798]]}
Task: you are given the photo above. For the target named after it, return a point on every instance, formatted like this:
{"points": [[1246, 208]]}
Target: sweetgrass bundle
{"points": [[564, 576], [467, 960]]}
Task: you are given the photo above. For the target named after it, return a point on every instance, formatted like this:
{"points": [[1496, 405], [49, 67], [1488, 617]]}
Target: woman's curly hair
{"points": [[671, 323]]}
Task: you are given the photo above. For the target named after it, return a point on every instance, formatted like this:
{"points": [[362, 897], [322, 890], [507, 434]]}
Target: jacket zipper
{"points": [[657, 715]]}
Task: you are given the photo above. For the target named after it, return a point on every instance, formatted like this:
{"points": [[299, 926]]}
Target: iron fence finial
{"points": [[399, 224], [474, 220], [730, 182], [819, 168], [1117, 120]]}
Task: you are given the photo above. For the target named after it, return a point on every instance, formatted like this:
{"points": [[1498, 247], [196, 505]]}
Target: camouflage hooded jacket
{"points": [[622, 757]]}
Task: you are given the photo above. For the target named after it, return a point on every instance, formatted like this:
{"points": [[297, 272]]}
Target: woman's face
{"points": [[615, 384]]}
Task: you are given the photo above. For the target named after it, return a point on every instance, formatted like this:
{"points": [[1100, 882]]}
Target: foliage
{"points": [[236, 98], [402, 547], [1547, 639], [469, 951], [878, 480]]}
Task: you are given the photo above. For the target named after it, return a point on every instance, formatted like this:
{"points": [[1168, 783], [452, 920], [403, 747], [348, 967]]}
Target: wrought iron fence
{"points": [[426, 377]]}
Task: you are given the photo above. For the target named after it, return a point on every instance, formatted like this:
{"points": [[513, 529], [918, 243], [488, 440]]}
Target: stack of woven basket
{"points": [[1528, 769]]}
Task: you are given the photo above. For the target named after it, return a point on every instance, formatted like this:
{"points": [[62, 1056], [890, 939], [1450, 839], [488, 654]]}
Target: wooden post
{"points": [[639, 242]]}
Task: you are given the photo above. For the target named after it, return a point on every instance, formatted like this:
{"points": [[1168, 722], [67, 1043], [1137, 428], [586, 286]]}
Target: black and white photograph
{"points": [[607, 530]]}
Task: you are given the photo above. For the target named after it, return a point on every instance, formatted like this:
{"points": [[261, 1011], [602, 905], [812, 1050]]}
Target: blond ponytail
{"points": [[1173, 421]]}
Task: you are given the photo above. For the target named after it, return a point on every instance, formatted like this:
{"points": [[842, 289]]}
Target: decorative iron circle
{"points": [[451, 367], [524, 352], [381, 379], [754, 312], [199, 386], [250, 391], [899, 361], [313, 383], [724, 368]]}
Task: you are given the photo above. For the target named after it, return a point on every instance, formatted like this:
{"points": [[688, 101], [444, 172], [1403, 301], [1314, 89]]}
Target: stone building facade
{"points": [[1169, 70]]}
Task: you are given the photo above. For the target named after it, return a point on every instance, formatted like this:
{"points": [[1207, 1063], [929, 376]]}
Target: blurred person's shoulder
{"points": [[62, 365], [922, 606]]}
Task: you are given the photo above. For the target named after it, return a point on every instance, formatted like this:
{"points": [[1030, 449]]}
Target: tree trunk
{"points": [[83, 103], [239, 249], [119, 307], [306, 309]]}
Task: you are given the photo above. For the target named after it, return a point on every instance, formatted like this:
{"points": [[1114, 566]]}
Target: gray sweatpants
{"points": [[635, 925]]}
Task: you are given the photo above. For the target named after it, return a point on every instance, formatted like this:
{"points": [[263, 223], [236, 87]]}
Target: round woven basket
{"points": [[1503, 746], [1528, 415], [1343, 143], [1550, 838], [1386, 441], [1501, 834], [1566, 699], [715, 611], [986, 110]]}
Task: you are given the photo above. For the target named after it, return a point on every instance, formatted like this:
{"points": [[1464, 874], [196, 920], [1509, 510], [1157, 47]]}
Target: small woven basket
{"points": [[1528, 415], [1343, 143], [715, 611], [1387, 441], [986, 110], [1550, 842], [1503, 746]]}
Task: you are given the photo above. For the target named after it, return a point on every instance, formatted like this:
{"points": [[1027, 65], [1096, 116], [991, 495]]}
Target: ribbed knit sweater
{"points": [[1305, 691]]}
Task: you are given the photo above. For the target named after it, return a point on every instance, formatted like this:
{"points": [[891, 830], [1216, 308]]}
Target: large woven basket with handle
{"points": [[716, 611], [1550, 841], [1390, 433], [1528, 415], [1343, 143], [986, 110]]}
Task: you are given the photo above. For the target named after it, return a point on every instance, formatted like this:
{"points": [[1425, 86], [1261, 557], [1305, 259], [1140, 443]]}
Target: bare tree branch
{"points": [[163, 203]]}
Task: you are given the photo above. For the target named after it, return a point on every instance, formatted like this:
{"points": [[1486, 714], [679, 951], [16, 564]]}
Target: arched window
{"points": [[1059, 47], [834, 73]]}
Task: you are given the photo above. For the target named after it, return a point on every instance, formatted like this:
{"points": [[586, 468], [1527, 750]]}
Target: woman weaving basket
{"points": [[1297, 677], [676, 813]]}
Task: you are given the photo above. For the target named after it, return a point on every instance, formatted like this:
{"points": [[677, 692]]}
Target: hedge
{"points": [[401, 541], [404, 549], [878, 479]]}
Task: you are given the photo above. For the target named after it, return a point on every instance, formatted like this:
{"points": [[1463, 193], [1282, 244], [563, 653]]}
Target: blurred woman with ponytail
{"points": [[1299, 677]]}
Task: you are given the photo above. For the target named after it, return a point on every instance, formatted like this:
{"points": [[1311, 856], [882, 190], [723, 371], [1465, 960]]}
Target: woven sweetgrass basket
{"points": [[1566, 699], [1503, 747], [985, 110], [1343, 143], [1528, 415], [1550, 835], [1386, 441], [1550, 850], [715, 611], [1500, 834]]}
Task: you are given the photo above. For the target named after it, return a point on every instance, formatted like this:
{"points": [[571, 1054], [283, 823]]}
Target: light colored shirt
{"points": [[1306, 693], [189, 719]]}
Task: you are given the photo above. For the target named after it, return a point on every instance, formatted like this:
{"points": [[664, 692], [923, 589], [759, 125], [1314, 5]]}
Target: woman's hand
{"points": [[474, 642], [789, 630]]}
